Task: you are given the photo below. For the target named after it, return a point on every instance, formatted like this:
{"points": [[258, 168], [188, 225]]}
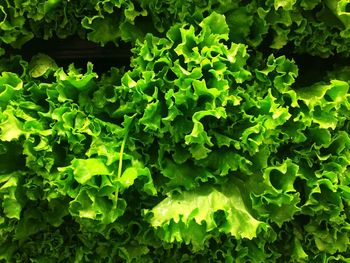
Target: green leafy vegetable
{"points": [[207, 149]]}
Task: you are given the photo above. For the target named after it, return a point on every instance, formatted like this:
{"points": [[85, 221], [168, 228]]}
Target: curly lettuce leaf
{"points": [[188, 216]]}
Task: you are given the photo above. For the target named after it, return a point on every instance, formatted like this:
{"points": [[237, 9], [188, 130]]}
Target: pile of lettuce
{"points": [[318, 27], [207, 150]]}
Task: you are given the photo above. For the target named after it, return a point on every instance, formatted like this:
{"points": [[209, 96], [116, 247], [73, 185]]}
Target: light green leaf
{"points": [[200, 206], [85, 169]]}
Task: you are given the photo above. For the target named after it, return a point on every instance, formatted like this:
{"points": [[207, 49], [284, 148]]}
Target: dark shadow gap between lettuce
{"points": [[77, 51]]}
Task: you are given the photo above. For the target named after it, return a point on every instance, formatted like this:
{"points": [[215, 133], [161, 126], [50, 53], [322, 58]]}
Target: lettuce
{"points": [[314, 27], [204, 150]]}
